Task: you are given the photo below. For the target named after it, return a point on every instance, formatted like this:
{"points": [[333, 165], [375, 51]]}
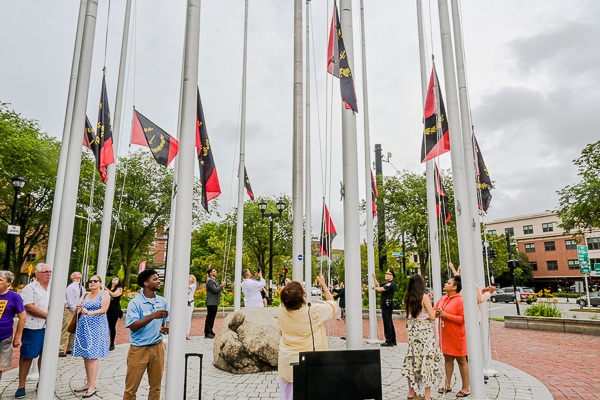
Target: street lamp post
{"points": [[18, 183], [263, 206]]}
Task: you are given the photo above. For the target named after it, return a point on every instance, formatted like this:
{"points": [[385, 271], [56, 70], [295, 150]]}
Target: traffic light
{"points": [[484, 249], [285, 271], [279, 275], [493, 253]]}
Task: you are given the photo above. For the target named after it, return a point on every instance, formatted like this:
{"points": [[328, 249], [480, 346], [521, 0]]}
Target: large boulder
{"points": [[248, 341]]}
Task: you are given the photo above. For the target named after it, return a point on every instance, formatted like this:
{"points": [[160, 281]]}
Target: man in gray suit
{"points": [[213, 298]]}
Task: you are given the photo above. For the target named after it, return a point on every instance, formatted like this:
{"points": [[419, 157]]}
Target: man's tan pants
{"points": [[140, 359], [66, 338]]}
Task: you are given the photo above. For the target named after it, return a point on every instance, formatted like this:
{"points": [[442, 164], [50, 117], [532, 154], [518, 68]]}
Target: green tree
{"points": [[579, 208], [26, 151], [499, 265]]}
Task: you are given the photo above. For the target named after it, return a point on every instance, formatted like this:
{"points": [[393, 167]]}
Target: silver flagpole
{"points": [[183, 217], [67, 210], [111, 173], [434, 244], [297, 176], [467, 135], [239, 236], [64, 146], [464, 219], [354, 339], [308, 230], [368, 190]]}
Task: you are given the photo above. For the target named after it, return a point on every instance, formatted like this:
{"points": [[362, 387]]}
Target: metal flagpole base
{"points": [[373, 341], [490, 372]]}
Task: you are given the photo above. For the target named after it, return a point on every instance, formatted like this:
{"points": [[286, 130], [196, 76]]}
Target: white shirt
{"points": [[73, 294], [35, 294], [251, 289], [191, 292]]}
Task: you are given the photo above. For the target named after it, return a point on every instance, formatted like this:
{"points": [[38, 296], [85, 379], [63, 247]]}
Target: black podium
{"points": [[343, 374]]}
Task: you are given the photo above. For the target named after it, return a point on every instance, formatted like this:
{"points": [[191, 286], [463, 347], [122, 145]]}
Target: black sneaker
{"points": [[387, 344], [343, 337], [395, 344], [111, 348]]}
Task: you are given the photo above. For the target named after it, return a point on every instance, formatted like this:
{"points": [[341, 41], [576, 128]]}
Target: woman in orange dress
{"points": [[453, 342]]}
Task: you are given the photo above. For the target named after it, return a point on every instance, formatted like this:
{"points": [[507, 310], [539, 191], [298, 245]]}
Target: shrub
{"points": [[543, 309]]}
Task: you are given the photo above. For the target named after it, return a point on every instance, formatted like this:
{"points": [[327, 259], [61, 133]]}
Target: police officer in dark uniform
{"points": [[387, 306]]}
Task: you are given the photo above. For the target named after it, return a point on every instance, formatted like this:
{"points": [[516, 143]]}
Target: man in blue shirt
{"points": [[147, 319]]}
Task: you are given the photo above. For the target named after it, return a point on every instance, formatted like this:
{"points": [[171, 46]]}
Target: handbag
{"points": [[73, 325]]}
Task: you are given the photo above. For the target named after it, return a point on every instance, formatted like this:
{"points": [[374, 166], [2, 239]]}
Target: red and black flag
{"points": [[328, 232], [208, 170], [436, 139], [441, 199], [484, 183], [92, 141], [146, 133], [104, 130], [247, 184], [337, 62], [374, 194]]}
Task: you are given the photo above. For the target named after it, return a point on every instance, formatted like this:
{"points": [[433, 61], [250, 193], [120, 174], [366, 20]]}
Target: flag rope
{"points": [[106, 37]]}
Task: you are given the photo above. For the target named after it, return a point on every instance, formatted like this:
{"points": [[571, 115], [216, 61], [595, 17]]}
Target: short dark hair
{"points": [[246, 272], [209, 270], [458, 283], [145, 275], [292, 296]]}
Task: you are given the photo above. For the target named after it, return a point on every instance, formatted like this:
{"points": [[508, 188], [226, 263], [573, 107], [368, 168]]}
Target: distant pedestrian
{"points": [[251, 289], [213, 298], [453, 340], [72, 295], [12, 305], [92, 333], [387, 306], [36, 297], [287, 280], [190, 304], [423, 366], [146, 315], [340, 295], [263, 294], [115, 290]]}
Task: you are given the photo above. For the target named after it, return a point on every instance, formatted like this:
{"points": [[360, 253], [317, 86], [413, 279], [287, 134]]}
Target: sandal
{"points": [[87, 395], [444, 391], [415, 397], [462, 394], [81, 389]]}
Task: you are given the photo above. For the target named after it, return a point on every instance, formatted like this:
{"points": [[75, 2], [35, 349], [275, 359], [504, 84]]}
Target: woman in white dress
{"points": [[190, 309]]}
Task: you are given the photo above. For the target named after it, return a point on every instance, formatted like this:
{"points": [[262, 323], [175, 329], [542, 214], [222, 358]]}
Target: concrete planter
{"points": [[587, 327]]}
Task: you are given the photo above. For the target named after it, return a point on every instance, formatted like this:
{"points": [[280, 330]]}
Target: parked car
{"points": [[507, 295], [316, 292], [594, 299]]}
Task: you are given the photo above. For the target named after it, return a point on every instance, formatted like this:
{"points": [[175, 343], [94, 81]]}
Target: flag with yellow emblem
{"points": [[145, 133]]}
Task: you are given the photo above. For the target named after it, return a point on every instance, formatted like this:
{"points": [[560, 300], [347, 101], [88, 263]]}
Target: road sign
{"points": [[300, 257], [14, 230], [30, 270], [585, 268], [582, 254], [397, 254]]}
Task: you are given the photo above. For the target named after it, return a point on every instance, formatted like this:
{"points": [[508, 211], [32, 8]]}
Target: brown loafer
{"points": [[62, 354]]}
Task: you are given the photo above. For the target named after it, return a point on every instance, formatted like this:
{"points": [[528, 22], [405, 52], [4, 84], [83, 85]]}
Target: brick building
{"points": [[159, 247], [552, 253]]}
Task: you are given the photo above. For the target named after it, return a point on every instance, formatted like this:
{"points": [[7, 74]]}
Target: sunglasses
{"points": [[93, 281]]}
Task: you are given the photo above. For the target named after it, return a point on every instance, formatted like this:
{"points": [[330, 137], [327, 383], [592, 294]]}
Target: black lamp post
{"points": [[263, 206], [18, 183]]}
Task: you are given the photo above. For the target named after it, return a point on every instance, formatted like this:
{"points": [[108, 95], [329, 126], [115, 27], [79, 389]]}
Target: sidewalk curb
{"points": [[539, 391]]}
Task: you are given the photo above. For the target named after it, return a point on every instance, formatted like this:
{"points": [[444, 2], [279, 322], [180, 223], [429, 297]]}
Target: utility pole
{"points": [[111, 173], [513, 264], [67, 209], [298, 153], [380, 209]]}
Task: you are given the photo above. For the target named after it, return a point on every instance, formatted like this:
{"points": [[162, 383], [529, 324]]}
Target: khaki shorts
{"points": [[6, 354]]}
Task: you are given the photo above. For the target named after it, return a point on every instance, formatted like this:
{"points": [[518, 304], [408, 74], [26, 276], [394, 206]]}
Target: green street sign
{"points": [[597, 267], [397, 254], [582, 254], [585, 268]]}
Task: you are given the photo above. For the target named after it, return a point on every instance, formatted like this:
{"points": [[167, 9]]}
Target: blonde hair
{"points": [[193, 278]]}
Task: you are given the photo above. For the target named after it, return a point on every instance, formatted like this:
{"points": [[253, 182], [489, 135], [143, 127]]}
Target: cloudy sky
{"points": [[532, 73]]}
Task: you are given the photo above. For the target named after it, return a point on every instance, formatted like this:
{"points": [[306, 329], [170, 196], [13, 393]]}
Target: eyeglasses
{"points": [[45, 272], [93, 281]]}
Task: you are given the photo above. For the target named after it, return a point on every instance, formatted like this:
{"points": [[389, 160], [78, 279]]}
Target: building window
{"points": [[164, 256], [573, 264], [153, 245], [529, 247], [549, 246], [594, 261], [593, 243], [547, 227], [552, 265], [528, 229], [509, 231], [31, 257], [492, 232], [571, 244], [533, 265]]}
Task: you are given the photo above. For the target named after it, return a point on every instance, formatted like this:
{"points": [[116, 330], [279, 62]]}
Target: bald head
{"points": [[76, 277]]}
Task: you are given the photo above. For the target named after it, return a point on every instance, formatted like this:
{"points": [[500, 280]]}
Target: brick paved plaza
{"points": [[535, 365]]}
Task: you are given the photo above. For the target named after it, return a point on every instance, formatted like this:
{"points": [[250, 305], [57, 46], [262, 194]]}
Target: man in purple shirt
{"points": [[11, 304], [72, 296]]}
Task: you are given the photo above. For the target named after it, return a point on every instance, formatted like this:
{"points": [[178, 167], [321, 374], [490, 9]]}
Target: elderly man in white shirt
{"points": [[36, 297], [72, 295], [251, 289]]}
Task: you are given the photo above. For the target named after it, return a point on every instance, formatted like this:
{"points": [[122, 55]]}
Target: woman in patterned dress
{"points": [[423, 365], [92, 335]]}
